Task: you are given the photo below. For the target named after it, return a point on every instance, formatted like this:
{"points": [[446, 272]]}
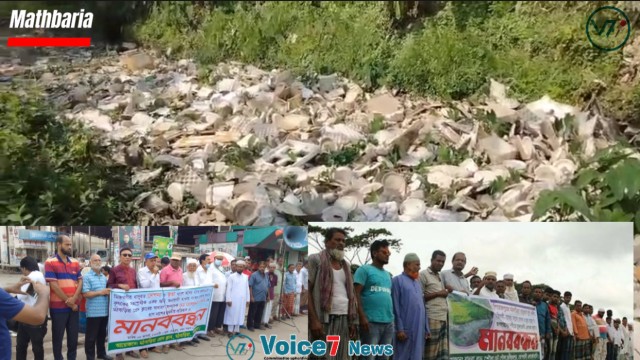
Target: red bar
{"points": [[56, 42]]}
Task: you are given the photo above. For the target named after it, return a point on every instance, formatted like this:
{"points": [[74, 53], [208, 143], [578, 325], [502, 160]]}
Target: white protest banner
{"points": [[143, 318], [492, 329]]}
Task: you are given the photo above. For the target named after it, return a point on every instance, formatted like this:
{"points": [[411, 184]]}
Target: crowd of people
{"points": [[410, 311], [244, 290]]}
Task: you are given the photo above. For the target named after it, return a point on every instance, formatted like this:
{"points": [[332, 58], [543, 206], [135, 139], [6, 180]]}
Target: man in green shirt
{"points": [[373, 290]]}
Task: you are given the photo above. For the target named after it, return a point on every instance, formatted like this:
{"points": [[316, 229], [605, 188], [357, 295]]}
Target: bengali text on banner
{"points": [[143, 318], [492, 329]]}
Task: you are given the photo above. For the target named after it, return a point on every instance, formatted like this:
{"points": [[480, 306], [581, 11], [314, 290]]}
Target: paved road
{"points": [[214, 349]]}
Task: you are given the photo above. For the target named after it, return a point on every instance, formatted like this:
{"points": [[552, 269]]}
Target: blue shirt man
{"points": [[258, 286], [95, 290], [9, 308], [290, 279], [373, 287]]}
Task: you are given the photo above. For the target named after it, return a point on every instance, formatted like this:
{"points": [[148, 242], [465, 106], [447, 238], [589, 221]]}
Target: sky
{"points": [[592, 260]]}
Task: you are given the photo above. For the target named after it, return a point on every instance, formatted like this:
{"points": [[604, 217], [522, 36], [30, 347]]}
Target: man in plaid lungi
{"points": [[582, 349], [289, 296], [435, 296]]}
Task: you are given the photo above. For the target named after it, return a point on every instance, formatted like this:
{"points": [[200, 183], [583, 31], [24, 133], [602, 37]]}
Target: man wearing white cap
{"points": [[237, 297], [189, 276], [487, 287], [510, 293]]}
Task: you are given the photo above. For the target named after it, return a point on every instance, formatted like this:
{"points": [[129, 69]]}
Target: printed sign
{"points": [[144, 318], [131, 237], [162, 246], [492, 329]]}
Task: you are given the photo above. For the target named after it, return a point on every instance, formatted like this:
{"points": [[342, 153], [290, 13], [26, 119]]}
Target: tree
{"points": [[355, 243]]}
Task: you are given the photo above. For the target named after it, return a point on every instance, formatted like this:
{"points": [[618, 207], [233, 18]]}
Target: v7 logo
{"points": [[612, 25], [239, 349]]}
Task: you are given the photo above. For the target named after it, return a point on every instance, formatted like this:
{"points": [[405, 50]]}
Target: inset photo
{"points": [[557, 291]]}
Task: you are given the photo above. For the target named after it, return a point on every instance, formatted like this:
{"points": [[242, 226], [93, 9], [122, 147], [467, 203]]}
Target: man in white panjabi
{"points": [[487, 287], [510, 293], [237, 297], [266, 315], [298, 272], [189, 277], [203, 272], [218, 278]]}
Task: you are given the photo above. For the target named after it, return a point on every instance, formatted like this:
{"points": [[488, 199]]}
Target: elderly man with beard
{"points": [[409, 312], [373, 292], [332, 300], [455, 278], [510, 292], [435, 297], [487, 287], [95, 290], [237, 297], [189, 277]]}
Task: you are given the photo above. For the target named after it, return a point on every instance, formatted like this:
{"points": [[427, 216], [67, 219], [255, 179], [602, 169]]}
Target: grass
{"points": [[537, 48]]}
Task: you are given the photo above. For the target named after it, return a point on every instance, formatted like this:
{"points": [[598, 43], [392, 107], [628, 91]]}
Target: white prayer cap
{"points": [[508, 276], [192, 261], [241, 262], [491, 273]]}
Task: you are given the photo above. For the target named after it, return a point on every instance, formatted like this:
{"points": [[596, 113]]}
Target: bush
{"points": [[54, 172], [536, 47]]}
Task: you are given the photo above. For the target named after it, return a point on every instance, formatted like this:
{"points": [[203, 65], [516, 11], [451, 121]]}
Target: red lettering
{"points": [[334, 340]]}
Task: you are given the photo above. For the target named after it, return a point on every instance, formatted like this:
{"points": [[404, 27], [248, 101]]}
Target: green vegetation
{"points": [[605, 189], [465, 311], [54, 172], [536, 47]]}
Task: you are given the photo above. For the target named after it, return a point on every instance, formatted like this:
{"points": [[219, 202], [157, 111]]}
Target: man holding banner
{"points": [[435, 296], [95, 290], [149, 278], [544, 321], [219, 281], [123, 276]]}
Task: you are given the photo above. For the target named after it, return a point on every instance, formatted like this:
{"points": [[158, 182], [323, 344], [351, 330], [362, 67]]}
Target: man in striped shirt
{"points": [[65, 282], [95, 290]]}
